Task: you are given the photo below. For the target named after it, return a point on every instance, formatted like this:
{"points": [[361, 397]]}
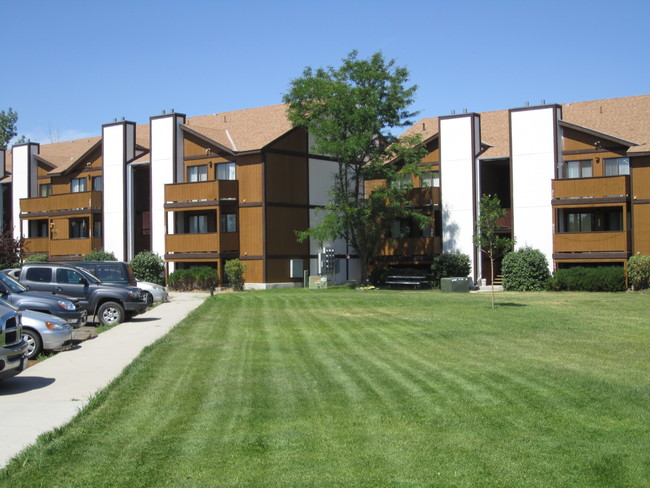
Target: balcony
{"points": [[422, 197], [73, 247], [210, 242], [600, 187], [200, 193], [412, 246], [84, 202], [591, 242], [36, 244]]}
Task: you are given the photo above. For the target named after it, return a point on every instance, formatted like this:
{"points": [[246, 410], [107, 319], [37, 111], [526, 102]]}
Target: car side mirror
{"points": [[83, 281]]}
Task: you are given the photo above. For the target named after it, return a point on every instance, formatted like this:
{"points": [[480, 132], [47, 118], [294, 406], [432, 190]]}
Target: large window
{"points": [[430, 179], [197, 173], [226, 171], [78, 228], [617, 166], [98, 184], [197, 224], [607, 219], [45, 190], [38, 228], [578, 169], [580, 222], [229, 222], [78, 185]]}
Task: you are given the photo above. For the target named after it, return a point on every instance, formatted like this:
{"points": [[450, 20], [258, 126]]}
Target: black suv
{"points": [[110, 303], [65, 307]]}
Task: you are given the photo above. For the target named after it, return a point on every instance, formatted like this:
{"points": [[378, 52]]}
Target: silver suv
{"points": [[12, 345]]}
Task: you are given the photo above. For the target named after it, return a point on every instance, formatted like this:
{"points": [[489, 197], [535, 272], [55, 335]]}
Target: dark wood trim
{"points": [[588, 201], [264, 219], [286, 152], [590, 151], [641, 201], [60, 213], [251, 258], [591, 255], [223, 148], [202, 203], [250, 204], [178, 256]]}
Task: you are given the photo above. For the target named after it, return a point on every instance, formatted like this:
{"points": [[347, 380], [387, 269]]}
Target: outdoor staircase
{"points": [[498, 280]]}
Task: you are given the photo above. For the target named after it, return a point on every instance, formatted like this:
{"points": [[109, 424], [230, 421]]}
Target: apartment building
{"points": [[574, 179]]}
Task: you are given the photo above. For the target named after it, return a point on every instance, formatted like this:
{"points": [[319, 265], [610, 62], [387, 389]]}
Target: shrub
{"points": [[525, 270], [10, 251], [602, 278], [638, 272], [450, 264], [235, 273], [149, 266], [37, 258], [199, 278], [97, 255]]}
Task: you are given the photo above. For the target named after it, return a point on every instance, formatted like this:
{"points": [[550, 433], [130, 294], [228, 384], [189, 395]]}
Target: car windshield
{"points": [[5, 303], [12, 284], [88, 275]]}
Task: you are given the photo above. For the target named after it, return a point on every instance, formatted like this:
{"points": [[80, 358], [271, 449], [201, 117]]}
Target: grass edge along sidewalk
{"points": [[341, 387]]}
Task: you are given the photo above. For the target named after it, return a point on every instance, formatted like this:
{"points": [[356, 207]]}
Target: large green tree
{"points": [[351, 111], [487, 236], [8, 121]]}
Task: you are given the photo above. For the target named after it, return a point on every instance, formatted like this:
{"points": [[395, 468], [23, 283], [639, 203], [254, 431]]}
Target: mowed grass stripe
{"points": [[343, 388]]}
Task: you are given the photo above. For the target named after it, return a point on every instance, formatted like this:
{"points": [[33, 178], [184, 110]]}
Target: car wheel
{"points": [[34, 343], [110, 313], [149, 298]]}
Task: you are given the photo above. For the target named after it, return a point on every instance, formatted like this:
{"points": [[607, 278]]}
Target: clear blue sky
{"points": [[71, 66]]}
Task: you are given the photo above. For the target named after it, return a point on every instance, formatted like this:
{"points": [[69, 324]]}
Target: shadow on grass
{"points": [[510, 304]]}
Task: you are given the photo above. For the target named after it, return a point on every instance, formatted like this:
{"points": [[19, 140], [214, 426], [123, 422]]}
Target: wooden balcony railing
{"points": [[212, 242], [84, 201], [422, 197], [73, 247], [590, 242], [412, 246], [36, 244], [601, 187], [202, 190]]}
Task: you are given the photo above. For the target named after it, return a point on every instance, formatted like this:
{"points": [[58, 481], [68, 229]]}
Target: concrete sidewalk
{"points": [[50, 393]]}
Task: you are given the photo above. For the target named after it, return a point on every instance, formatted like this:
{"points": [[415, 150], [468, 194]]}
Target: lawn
{"points": [[295, 388]]}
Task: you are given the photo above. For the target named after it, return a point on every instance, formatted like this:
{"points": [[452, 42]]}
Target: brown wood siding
{"points": [[641, 178], [84, 200], [193, 147], [192, 242], [59, 229], [286, 179], [249, 175], [66, 247], [591, 187], [411, 246], [281, 226], [201, 190], [432, 156], [254, 271], [293, 141], [574, 140], [641, 229], [250, 231], [277, 271], [590, 242], [38, 244]]}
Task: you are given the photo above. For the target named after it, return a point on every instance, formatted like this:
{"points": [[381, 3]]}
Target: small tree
{"points": [[638, 271], [525, 269], [235, 273], [10, 251], [97, 255], [450, 264], [487, 237], [8, 121], [148, 266]]}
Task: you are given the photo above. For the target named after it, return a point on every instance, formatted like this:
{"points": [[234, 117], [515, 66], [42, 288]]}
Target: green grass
{"points": [[346, 388]]}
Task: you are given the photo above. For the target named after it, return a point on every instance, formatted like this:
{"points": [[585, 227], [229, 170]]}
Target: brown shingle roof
{"points": [[243, 130], [63, 155], [495, 132]]}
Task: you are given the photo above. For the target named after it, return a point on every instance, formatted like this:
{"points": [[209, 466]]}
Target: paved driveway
{"points": [[50, 393]]}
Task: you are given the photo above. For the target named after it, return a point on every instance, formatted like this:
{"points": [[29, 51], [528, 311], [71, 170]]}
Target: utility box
{"points": [[296, 268], [454, 285]]}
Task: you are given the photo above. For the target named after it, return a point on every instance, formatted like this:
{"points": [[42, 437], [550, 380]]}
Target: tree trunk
{"points": [[492, 277]]}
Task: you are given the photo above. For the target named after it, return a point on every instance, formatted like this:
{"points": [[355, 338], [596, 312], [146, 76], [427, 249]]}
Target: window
{"points": [[197, 173], [98, 183], [78, 228], [45, 190], [97, 228], [578, 169], [229, 222], [226, 171], [42, 275], [68, 276], [580, 222], [38, 228], [617, 166], [430, 179], [78, 185], [402, 181], [197, 224]]}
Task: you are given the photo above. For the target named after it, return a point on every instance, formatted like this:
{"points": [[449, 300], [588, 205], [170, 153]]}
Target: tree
{"points": [[10, 251], [148, 266], [235, 272], [350, 111], [8, 121], [487, 237]]}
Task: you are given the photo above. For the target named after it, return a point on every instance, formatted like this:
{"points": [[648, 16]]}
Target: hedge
{"points": [[199, 278], [601, 278], [525, 270]]}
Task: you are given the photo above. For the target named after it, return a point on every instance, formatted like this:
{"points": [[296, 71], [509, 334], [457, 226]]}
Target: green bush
{"points": [[638, 272], [198, 278], [149, 266], [450, 265], [602, 278], [235, 272], [37, 258], [525, 270], [97, 255]]}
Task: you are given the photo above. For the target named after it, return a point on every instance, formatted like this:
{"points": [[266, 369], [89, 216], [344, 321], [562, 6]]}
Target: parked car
{"points": [[122, 273], [12, 344], [12, 272], [66, 308], [41, 331], [110, 303]]}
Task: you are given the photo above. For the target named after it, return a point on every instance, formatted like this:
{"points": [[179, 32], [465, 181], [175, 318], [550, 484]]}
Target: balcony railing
{"points": [[73, 247], [422, 197], [83, 201], [601, 187], [412, 246], [36, 244], [590, 242], [210, 242], [202, 191]]}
